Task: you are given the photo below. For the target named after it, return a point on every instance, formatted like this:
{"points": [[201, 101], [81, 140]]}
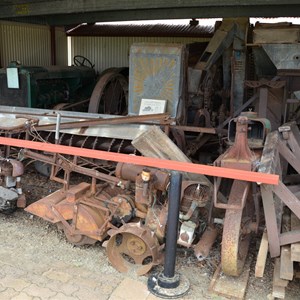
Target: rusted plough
{"points": [[242, 208], [130, 206]]}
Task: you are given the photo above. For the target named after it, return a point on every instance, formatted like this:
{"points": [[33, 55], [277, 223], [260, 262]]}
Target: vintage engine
{"points": [[130, 208], [141, 242], [11, 194]]}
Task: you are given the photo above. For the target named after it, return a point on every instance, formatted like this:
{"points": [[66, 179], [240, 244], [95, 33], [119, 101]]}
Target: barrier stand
{"points": [[169, 284]]}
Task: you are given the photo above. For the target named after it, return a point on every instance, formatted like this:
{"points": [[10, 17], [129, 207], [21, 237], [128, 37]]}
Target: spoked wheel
{"points": [[236, 239], [110, 95], [133, 249]]}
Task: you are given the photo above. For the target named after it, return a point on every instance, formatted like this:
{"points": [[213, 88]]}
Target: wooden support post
{"points": [[262, 256], [279, 284], [271, 220], [286, 264], [295, 247]]}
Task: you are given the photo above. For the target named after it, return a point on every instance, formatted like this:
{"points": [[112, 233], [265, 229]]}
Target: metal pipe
{"points": [[203, 247], [57, 128], [53, 45], [168, 284], [146, 161], [172, 224]]}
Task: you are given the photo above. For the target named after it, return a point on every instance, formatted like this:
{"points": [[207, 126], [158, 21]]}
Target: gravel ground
{"points": [[32, 239]]}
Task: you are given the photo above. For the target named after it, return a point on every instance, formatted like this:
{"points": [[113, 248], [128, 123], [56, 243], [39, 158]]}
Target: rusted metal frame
{"points": [[200, 129], [273, 228], [247, 103], [274, 83], [74, 168], [146, 161], [55, 168], [65, 223], [107, 212], [217, 181], [238, 111], [263, 102], [107, 223], [72, 228], [92, 204], [162, 118], [75, 215]]}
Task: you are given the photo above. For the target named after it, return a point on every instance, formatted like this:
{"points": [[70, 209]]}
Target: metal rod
{"points": [[57, 128], [172, 224], [53, 45], [162, 118], [146, 161]]}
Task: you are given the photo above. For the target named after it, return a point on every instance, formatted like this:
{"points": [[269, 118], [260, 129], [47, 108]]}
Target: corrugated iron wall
{"points": [[106, 52], [30, 44]]}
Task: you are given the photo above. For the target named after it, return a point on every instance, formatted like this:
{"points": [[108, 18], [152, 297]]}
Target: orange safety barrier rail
{"points": [[145, 161]]}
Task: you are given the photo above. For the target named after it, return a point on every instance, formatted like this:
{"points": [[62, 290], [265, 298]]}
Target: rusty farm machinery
{"points": [[129, 205], [237, 180]]}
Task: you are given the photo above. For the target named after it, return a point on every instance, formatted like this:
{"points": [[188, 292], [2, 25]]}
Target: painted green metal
{"points": [[45, 87]]}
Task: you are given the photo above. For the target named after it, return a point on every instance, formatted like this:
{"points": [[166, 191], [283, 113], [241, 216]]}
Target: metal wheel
{"points": [[110, 95], [133, 249], [235, 239], [76, 239], [83, 226]]}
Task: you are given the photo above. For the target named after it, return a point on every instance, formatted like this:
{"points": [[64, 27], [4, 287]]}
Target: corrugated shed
{"points": [[29, 44], [150, 30], [106, 52]]}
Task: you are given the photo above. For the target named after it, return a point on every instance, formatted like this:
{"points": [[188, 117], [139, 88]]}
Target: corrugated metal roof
{"points": [[152, 30]]}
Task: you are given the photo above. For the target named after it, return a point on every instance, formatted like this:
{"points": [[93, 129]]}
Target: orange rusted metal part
{"points": [[78, 212], [137, 243], [208, 238], [146, 161]]}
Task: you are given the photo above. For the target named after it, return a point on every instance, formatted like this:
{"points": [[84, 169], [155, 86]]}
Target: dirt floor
{"points": [[30, 241]]}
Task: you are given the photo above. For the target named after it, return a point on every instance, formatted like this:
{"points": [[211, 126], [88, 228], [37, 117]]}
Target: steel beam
{"points": [[145, 161], [44, 7], [54, 11]]}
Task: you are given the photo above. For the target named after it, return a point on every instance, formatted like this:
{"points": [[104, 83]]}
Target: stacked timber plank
{"points": [[284, 264]]}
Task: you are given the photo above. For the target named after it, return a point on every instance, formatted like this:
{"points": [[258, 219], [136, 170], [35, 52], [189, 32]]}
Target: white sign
{"points": [[152, 106], [12, 78]]}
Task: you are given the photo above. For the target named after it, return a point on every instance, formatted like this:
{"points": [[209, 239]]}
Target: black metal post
{"points": [[172, 225], [168, 284]]}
